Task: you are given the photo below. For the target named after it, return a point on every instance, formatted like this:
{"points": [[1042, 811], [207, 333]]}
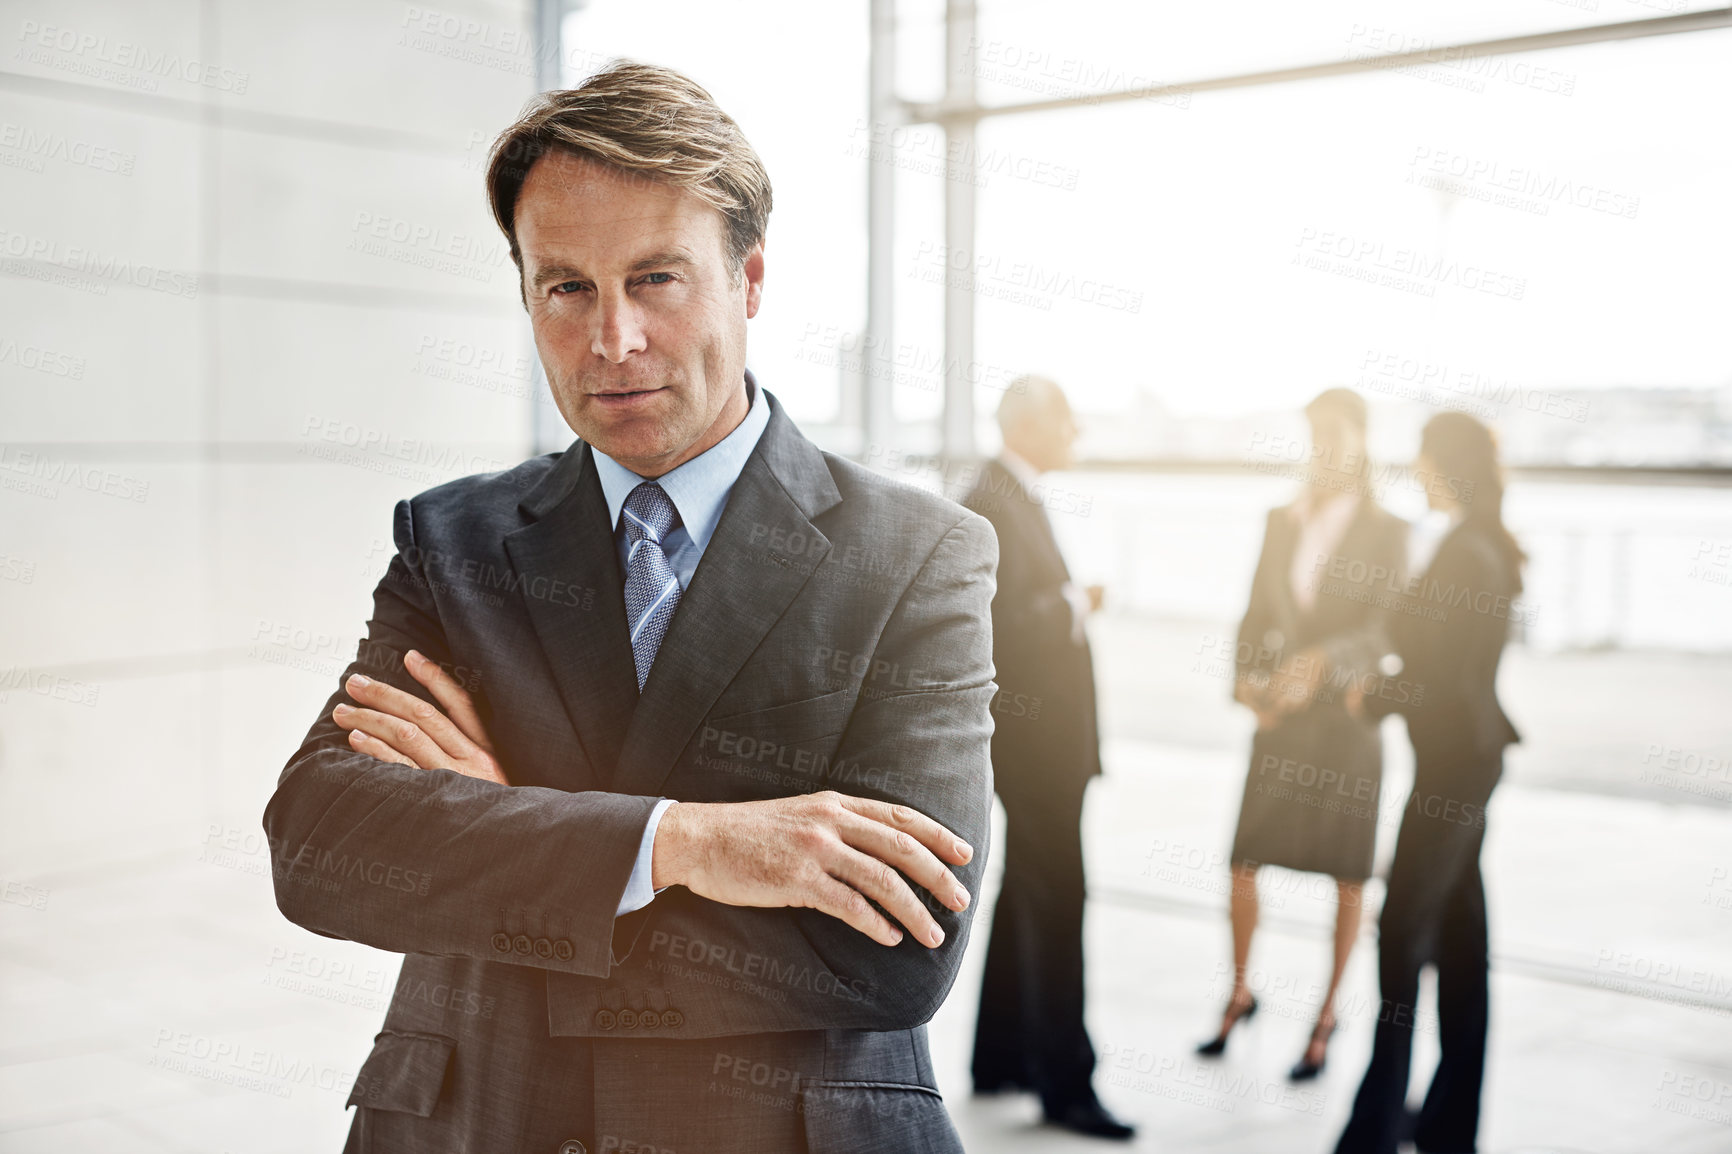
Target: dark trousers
{"points": [[1030, 1031], [1434, 913]]}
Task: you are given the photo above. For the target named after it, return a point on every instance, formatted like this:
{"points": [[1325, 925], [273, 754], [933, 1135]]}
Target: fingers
{"points": [[363, 742], [388, 699], [829, 896], [923, 829], [1292, 696], [874, 879], [898, 848], [404, 738], [451, 696]]}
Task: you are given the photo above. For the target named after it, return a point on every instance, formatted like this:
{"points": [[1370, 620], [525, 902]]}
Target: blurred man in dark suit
{"points": [[1044, 751]]}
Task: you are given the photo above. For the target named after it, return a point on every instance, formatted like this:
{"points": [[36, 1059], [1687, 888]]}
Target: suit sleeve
{"points": [[431, 861], [1449, 640], [1442, 637], [1251, 653], [733, 970]]}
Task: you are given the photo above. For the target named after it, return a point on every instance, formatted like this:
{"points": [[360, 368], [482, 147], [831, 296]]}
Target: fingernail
{"points": [[963, 851], [360, 680], [961, 898], [342, 709], [937, 936], [898, 940], [414, 654]]}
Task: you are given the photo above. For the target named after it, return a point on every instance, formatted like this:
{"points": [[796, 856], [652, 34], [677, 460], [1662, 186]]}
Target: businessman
{"points": [[1045, 750], [665, 759]]}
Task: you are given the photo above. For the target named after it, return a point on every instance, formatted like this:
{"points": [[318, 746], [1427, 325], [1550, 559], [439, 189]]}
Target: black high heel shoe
{"points": [[1218, 1046], [1304, 1070]]}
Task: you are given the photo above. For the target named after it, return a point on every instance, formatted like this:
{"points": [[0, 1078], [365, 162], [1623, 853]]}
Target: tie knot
{"points": [[649, 513]]}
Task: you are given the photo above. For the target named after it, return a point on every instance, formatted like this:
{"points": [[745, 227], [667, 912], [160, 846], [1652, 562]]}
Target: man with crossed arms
{"points": [[670, 870]]}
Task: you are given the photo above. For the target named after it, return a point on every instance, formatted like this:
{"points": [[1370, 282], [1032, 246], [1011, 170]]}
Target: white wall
{"points": [[199, 286]]}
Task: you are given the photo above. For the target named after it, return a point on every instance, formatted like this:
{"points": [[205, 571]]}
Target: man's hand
{"points": [[824, 851], [398, 726]]}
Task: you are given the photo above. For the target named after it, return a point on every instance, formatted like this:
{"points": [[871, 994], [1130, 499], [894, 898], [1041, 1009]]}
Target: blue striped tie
{"points": [[652, 592]]}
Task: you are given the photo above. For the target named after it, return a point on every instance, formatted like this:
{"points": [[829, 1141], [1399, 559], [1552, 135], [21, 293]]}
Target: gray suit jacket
{"points": [[835, 636]]}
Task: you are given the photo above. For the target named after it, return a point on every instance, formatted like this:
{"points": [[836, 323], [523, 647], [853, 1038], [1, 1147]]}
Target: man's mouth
{"points": [[621, 398]]}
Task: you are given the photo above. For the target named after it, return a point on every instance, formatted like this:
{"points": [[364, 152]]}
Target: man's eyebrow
{"points": [[673, 257], [549, 273]]}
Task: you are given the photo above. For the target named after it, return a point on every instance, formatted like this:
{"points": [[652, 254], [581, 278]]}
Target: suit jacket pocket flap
{"points": [[792, 722], [405, 1072], [873, 1117]]}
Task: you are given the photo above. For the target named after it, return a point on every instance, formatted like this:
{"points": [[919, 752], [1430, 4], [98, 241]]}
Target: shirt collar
{"points": [[1026, 474], [699, 488]]}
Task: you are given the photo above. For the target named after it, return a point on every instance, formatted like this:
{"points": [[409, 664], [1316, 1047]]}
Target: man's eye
{"points": [[566, 288], [665, 278]]}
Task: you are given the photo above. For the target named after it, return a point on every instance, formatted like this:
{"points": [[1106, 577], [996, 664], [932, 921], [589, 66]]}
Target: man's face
{"points": [[638, 316], [1061, 433], [1045, 434]]}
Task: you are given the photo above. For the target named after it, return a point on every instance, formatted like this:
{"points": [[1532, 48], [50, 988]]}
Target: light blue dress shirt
{"points": [[699, 491]]}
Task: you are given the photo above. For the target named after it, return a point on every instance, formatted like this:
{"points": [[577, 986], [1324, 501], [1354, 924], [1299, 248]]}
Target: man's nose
{"points": [[617, 330]]}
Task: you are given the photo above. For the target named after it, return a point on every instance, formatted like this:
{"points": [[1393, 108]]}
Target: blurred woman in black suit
{"points": [[1448, 628], [1312, 629]]}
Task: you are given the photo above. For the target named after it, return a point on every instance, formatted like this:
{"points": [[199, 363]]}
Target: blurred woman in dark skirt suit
{"points": [[1313, 630], [1449, 631]]}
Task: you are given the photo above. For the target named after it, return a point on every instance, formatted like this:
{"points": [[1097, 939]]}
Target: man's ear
{"points": [[753, 270]]}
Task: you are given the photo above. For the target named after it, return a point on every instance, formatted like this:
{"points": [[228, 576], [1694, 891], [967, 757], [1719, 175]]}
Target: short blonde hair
{"points": [[645, 119]]}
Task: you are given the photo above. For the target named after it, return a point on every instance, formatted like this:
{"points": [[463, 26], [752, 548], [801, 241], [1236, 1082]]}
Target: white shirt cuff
{"points": [[1079, 610], [638, 893]]}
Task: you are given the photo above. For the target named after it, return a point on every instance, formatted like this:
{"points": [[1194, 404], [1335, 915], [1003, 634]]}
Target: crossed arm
{"points": [[799, 881], [826, 851]]}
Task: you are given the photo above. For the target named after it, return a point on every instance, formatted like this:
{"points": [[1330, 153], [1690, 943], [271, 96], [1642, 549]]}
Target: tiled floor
{"points": [[152, 999], [1584, 1056]]}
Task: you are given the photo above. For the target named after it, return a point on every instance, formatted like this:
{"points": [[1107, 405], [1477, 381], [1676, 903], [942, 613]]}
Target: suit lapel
{"points": [[1355, 543], [1356, 538], [1034, 517], [588, 650], [1283, 539], [763, 552]]}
